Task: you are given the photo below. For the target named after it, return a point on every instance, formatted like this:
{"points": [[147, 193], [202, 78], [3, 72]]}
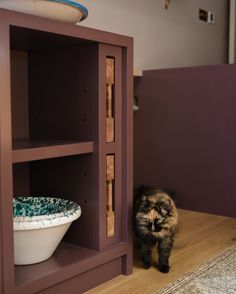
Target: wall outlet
{"points": [[211, 17], [207, 16], [203, 15]]}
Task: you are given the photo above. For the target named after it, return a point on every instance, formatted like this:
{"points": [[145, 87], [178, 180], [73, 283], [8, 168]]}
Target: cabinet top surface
{"points": [[12, 18]]}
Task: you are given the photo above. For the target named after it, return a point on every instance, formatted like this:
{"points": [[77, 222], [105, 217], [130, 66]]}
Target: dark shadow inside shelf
{"points": [[65, 255], [25, 39], [54, 88]]}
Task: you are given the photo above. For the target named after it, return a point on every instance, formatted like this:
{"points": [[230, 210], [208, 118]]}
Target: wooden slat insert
{"points": [[110, 167], [110, 190], [110, 81], [110, 73]]}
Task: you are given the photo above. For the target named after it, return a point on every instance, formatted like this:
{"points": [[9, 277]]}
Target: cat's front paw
{"points": [[146, 264], [164, 268]]}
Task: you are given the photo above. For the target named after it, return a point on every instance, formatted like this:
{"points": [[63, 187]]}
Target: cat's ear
{"points": [[145, 202], [166, 207], [144, 198]]}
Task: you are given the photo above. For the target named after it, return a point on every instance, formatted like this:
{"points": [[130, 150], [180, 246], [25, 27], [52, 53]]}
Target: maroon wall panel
{"points": [[185, 135]]}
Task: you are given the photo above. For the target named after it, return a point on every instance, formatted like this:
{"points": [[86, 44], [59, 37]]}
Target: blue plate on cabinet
{"points": [[63, 10]]}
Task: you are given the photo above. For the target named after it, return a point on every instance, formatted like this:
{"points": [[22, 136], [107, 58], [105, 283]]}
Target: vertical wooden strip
{"points": [[110, 73], [110, 213], [110, 190], [109, 100], [127, 157], [109, 195], [110, 130], [6, 219], [110, 81], [110, 167]]}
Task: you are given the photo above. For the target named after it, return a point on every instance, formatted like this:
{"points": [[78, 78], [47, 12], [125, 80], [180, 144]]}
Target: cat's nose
{"points": [[158, 228], [153, 227]]}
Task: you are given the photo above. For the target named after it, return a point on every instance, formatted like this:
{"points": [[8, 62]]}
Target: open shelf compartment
{"points": [[71, 178], [54, 90]]}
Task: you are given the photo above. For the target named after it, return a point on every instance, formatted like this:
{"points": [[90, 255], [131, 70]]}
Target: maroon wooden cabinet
{"points": [[53, 138]]}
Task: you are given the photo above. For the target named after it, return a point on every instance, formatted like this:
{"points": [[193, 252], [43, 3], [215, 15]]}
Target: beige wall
{"points": [[164, 38]]}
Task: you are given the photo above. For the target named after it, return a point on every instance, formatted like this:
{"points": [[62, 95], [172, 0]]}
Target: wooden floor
{"points": [[200, 236]]}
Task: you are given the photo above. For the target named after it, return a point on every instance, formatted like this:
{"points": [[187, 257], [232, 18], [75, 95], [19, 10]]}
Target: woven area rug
{"points": [[217, 276]]}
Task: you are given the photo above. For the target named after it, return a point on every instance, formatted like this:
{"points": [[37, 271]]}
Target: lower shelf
{"points": [[68, 261], [66, 254]]}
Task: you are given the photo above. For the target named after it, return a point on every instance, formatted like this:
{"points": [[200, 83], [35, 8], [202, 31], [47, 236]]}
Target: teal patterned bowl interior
{"points": [[38, 208]]}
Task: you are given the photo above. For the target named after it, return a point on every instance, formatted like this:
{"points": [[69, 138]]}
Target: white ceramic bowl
{"points": [[63, 10], [39, 225]]}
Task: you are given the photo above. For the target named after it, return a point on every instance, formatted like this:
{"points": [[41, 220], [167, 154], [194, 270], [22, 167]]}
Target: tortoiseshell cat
{"points": [[155, 222]]}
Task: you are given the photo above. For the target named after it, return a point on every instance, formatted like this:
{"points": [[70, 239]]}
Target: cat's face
{"points": [[155, 209], [156, 206]]}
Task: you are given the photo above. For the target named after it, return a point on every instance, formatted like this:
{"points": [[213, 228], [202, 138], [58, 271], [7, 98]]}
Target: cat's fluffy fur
{"points": [[155, 222]]}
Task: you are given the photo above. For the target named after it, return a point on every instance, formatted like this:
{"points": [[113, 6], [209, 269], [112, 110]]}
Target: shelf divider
{"points": [[28, 150]]}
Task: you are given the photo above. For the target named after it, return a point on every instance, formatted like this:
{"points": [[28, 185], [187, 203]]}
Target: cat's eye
{"points": [[156, 207], [147, 202]]}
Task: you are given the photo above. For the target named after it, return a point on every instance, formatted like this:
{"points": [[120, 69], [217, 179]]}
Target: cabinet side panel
{"points": [[7, 263], [127, 171]]}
